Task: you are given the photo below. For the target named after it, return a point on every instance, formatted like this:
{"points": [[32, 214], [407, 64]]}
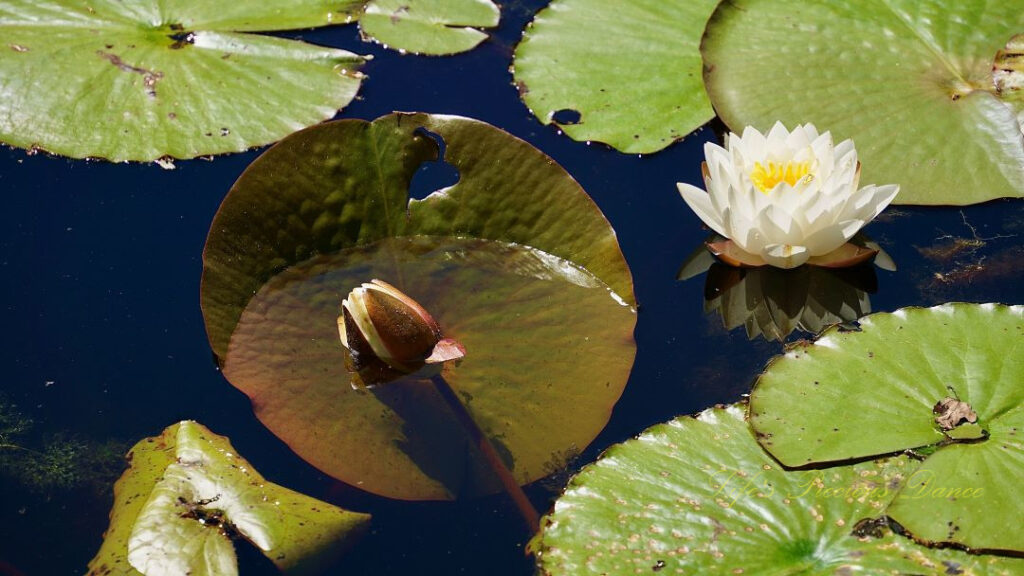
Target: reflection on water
{"points": [[542, 338], [774, 303]]}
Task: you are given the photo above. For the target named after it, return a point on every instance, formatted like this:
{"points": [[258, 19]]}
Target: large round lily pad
{"points": [[188, 494], [860, 394], [699, 496], [624, 73], [909, 80], [543, 338], [515, 261], [181, 78], [429, 26]]}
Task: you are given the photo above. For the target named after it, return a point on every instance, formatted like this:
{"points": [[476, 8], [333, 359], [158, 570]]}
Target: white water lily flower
{"points": [[787, 197]]}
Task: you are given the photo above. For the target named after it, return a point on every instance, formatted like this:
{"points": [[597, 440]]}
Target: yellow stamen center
{"points": [[768, 177]]}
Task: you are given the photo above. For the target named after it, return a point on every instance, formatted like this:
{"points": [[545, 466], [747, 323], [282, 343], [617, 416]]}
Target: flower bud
{"points": [[379, 322]]}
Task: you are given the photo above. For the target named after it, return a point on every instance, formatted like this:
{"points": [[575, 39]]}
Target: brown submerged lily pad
{"points": [[514, 261], [512, 309]]}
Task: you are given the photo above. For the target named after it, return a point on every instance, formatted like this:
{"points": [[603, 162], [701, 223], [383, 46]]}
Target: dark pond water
{"points": [[104, 342]]}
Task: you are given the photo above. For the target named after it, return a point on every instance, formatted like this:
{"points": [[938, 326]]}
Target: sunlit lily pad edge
{"points": [[428, 27], [698, 494], [859, 394], [155, 80], [910, 82], [188, 494], [624, 73]]}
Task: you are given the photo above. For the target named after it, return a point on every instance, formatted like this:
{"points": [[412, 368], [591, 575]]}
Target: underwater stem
{"points": [[16, 447], [526, 509]]}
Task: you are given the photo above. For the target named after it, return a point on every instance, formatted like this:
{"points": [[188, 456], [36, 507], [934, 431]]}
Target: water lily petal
{"points": [[829, 238], [785, 255], [843, 179], [788, 198], [752, 143], [812, 203], [700, 202], [824, 155], [812, 132], [824, 147], [718, 158], [779, 227], [778, 136], [873, 199], [845, 153], [729, 252], [742, 202], [723, 179], [744, 232], [867, 203], [799, 140]]}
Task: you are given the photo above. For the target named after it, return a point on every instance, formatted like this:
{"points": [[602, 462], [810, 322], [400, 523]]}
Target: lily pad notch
{"points": [[624, 73]]}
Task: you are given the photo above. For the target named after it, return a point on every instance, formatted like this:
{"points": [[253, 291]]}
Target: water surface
{"points": [[105, 341]]}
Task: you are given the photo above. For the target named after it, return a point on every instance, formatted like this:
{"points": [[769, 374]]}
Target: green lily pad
{"points": [[429, 26], [699, 496], [630, 70], [188, 494], [904, 79], [514, 261], [179, 78], [859, 394]]}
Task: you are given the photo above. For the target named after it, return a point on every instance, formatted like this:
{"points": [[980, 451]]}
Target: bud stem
{"points": [[526, 509]]}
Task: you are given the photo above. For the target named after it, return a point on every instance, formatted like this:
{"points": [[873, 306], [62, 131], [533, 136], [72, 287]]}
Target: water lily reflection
{"points": [[773, 303]]}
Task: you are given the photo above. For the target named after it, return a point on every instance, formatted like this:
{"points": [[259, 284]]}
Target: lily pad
{"points": [[699, 496], [860, 394], [429, 26], [904, 79], [179, 78], [514, 261], [188, 494], [624, 73]]}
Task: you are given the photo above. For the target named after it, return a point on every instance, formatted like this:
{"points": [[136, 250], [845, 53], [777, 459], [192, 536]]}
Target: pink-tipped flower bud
{"points": [[379, 322]]}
